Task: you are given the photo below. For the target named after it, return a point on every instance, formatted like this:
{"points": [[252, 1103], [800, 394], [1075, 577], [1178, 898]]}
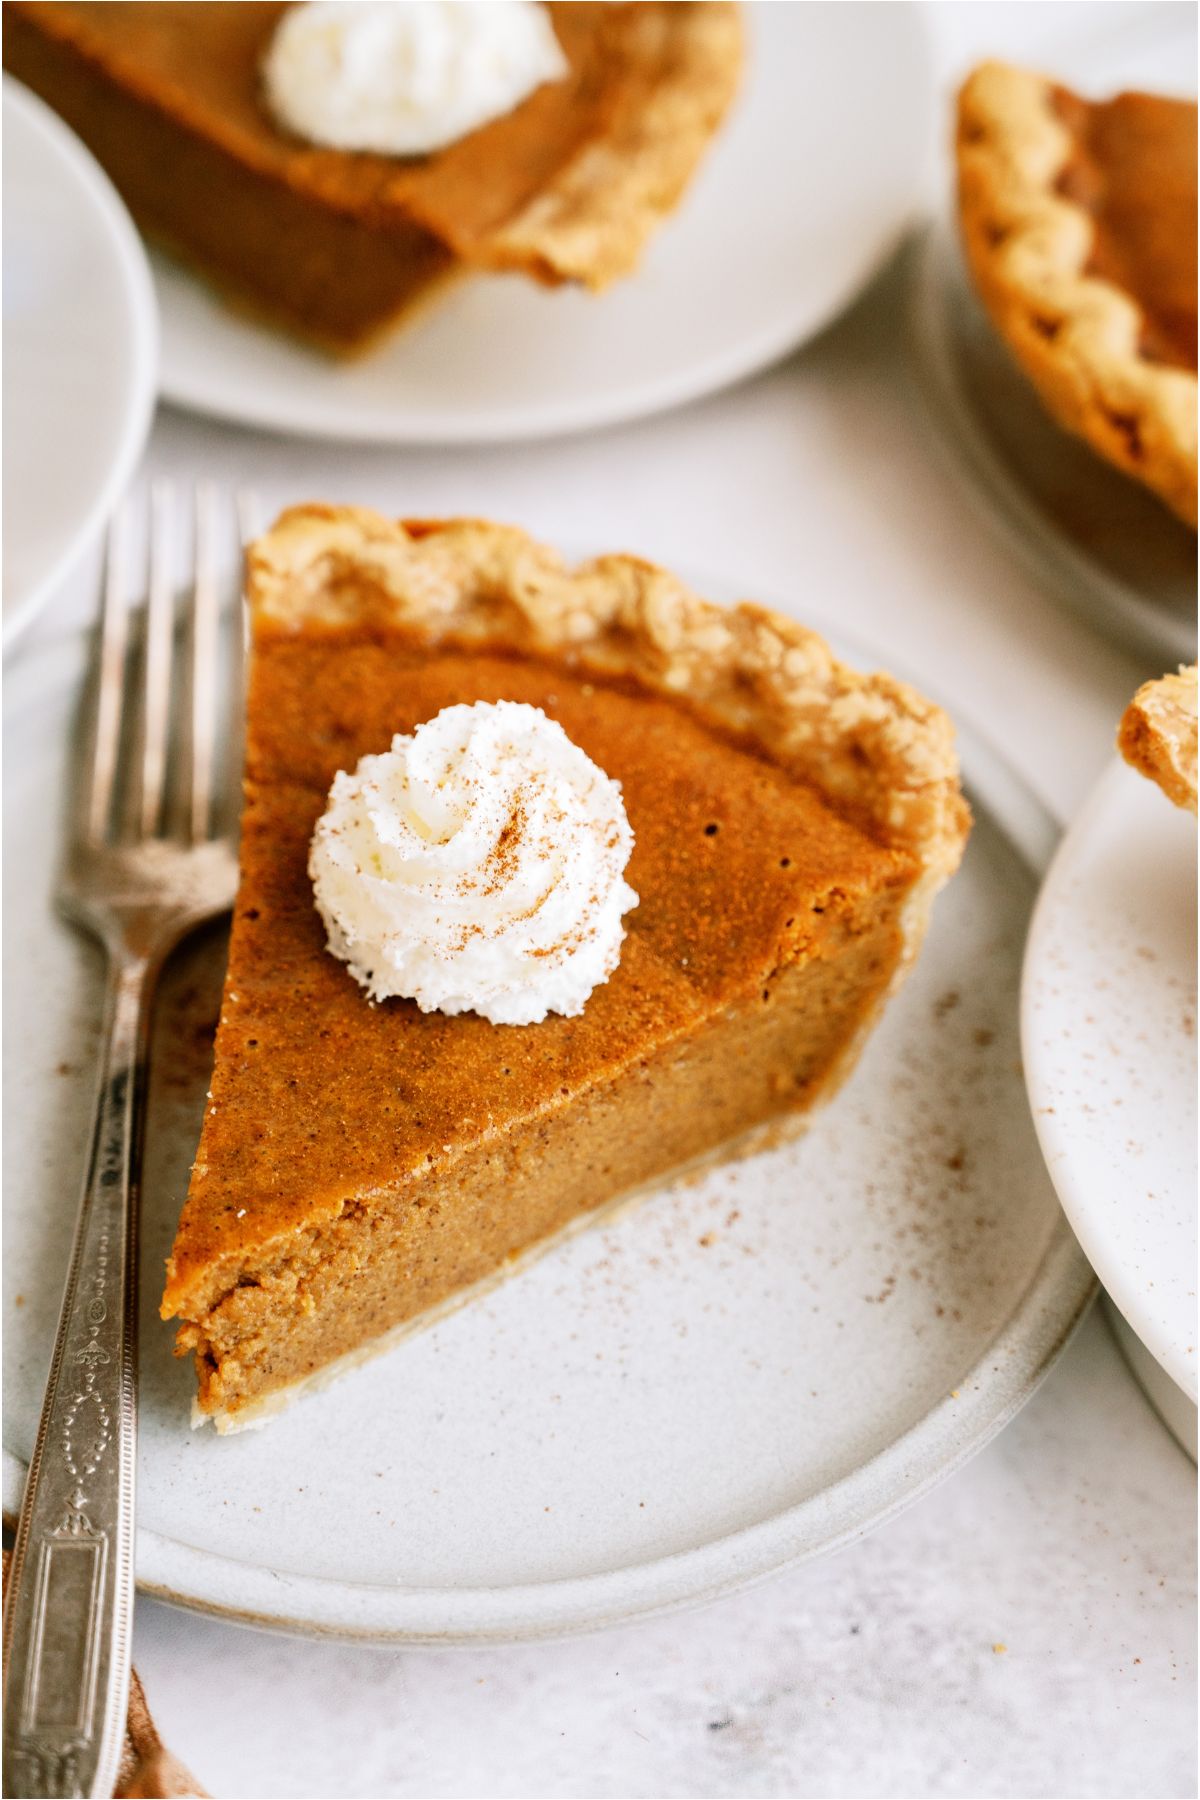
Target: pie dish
{"points": [[1079, 223], [336, 246], [1158, 735], [362, 1168]]}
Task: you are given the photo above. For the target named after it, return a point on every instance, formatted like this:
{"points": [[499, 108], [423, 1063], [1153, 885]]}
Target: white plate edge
{"points": [[139, 286], [1112, 1274]]}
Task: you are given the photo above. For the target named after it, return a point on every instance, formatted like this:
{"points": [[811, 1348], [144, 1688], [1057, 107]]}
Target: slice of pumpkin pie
{"points": [[554, 882]]}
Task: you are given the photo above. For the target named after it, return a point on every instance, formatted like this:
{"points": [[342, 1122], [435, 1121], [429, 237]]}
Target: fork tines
{"points": [[167, 697]]}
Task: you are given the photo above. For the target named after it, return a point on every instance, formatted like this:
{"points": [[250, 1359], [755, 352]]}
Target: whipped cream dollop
{"points": [[406, 76], [476, 866]]}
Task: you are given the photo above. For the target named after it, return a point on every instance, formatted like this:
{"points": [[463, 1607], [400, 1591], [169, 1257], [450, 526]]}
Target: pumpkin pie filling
{"points": [[1133, 168], [363, 1166]]}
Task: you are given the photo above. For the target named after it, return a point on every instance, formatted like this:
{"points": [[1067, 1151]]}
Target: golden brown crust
{"points": [[870, 745], [1158, 735], [1076, 335], [595, 217]]}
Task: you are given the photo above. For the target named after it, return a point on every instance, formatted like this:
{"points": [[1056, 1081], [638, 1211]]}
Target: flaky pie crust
{"points": [[594, 219], [872, 746], [1075, 335], [1158, 735]]}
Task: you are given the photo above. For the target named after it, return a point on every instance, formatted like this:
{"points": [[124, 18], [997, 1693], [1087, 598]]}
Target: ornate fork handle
{"points": [[69, 1616]]}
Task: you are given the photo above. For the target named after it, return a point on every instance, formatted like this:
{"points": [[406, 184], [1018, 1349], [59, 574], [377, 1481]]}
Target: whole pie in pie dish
{"points": [[1079, 223], [1158, 735], [338, 245], [362, 1167]]}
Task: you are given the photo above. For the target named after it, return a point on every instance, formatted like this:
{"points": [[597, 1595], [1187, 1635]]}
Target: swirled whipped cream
{"points": [[405, 76], [476, 866]]}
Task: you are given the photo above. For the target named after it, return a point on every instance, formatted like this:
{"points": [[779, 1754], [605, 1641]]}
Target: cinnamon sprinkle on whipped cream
{"points": [[476, 866]]}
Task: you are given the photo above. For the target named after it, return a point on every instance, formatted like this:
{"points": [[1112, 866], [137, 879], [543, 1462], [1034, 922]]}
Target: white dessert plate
{"points": [[80, 352], [1097, 542], [735, 1376], [800, 199], [1109, 1044]]}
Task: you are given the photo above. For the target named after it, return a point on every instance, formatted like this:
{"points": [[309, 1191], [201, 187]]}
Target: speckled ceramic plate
{"points": [[1109, 1039], [735, 1376]]}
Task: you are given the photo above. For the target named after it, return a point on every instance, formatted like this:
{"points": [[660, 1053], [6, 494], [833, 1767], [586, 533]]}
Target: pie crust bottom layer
{"points": [[396, 1264], [253, 1414]]}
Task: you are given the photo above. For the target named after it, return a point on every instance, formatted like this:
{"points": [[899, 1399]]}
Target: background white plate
{"points": [[1109, 1042], [738, 1375], [80, 348], [801, 197]]}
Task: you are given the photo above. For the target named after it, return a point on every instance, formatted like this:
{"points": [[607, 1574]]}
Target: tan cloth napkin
{"points": [[148, 1771]]}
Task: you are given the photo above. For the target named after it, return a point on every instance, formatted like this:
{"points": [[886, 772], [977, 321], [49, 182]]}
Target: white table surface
{"points": [[1029, 1628]]}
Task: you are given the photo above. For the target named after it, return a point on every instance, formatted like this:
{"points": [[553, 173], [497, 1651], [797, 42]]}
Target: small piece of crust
{"points": [[1075, 335], [1158, 735], [872, 746]]}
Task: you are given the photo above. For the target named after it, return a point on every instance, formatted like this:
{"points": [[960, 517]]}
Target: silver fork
{"points": [[151, 855]]}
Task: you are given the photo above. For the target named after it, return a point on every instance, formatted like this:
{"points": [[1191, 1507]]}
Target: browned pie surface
{"points": [[318, 1096], [1134, 169]]}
